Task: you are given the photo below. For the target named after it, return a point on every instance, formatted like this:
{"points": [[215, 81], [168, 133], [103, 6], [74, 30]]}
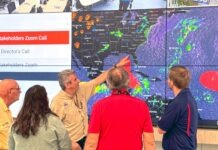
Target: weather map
{"points": [[155, 39], [192, 40], [192, 36], [110, 35]]}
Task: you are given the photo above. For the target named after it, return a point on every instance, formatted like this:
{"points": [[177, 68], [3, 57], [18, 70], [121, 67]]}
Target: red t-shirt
{"points": [[120, 120]]}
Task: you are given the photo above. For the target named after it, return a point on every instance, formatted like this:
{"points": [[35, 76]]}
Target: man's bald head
{"points": [[9, 91]]}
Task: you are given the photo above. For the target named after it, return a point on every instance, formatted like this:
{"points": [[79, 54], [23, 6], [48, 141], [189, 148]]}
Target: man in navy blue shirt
{"points": [[180, 119]]}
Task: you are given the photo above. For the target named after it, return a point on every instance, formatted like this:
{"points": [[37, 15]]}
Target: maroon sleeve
{"points": [[148, 123], [95, 121]]}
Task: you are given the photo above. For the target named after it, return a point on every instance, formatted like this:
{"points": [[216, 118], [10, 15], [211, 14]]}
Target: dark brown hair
{"points": [[34, 109]]}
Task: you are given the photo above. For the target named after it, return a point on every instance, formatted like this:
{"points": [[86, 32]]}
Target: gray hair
{"points": [[63, 77], [117, 78]]}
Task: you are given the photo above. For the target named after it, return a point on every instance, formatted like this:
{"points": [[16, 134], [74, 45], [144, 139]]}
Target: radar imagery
{"points": [[110, 35], [192, 41], [155, 39]]}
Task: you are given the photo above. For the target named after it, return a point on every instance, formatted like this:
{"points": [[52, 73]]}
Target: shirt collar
{"points": [[2, 103], [120, 91], [183, 90]]}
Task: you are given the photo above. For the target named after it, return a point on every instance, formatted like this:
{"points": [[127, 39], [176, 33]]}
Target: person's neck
{"points": [[176, 91]]}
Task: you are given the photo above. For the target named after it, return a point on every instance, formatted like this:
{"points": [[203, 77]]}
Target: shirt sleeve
{"points": [[148, 127], [64, 141], [95, 121], [11, 143], [170, 117], [88, 88]]}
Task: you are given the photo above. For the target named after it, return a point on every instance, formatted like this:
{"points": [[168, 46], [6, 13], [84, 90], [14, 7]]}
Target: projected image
{"points": [[192, 36], [154, 44], [185, 3], [35, 6], [146, 83], [100, 39], [204, 88], [192, 41], [100, 35], [102, 5], [206, 78]]}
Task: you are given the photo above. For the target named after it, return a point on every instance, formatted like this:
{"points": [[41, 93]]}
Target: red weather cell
{"points": [[133, 80], [209, 79]]}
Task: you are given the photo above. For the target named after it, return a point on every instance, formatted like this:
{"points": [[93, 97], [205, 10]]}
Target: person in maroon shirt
{"points": [[120, 121]]}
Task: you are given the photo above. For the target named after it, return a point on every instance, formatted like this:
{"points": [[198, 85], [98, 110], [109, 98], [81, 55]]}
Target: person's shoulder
{"points": [[138, 102], [85, 83], [103, 101], [58, 97], [53, 119], [183, 97]]}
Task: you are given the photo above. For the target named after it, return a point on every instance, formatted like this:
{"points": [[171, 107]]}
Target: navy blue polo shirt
{"points": [[180, 121]]}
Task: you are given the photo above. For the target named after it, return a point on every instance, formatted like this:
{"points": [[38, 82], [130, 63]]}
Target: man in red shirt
{"points": [[120, 121]]}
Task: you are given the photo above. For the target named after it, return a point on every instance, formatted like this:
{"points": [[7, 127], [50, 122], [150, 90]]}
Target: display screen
{"points": [[35, 47], [155, 40]]}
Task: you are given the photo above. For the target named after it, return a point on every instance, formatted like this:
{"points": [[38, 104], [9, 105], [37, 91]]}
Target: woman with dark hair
{"points": [[36, 126]]}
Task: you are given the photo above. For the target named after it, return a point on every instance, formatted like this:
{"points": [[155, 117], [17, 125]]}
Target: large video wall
{"points": [[90, 36]]}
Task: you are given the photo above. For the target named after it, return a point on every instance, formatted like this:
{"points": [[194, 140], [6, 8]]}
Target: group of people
{"points": [[118, 122]]}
